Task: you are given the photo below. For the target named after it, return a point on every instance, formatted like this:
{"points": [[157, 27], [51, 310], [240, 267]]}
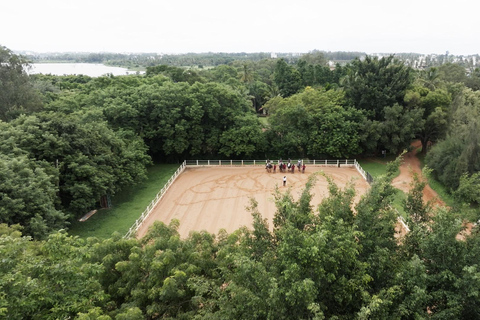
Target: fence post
{"points": [[254, 163]]}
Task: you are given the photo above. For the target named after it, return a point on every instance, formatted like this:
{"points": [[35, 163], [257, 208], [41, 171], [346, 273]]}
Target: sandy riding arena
{"points": [[212, 198]]}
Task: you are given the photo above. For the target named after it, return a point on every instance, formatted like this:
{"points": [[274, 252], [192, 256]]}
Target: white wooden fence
{"points": [[133, 229], [192, 163], [307, 162], [240, 163]]}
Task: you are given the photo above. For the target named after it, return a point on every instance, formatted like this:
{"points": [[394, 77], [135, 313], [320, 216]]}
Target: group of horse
{"points": [[284, 167]]}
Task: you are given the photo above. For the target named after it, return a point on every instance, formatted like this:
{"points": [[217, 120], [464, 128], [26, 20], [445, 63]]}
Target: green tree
{"points": [[16, 91], [469, 189], [315, 122], [373, 84], [28, 194], [287, 78], [436, 113], [452, 72], [457, 154], [47, 280], [92, 160], [244, 139], [375, 220], [399, 127]]}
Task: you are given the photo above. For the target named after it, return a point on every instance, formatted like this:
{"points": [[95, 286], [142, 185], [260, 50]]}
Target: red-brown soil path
{"points": [[411, 165]]}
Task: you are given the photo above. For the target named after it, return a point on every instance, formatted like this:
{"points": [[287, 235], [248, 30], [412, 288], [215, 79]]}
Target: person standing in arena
{"points": [[284, 181]]}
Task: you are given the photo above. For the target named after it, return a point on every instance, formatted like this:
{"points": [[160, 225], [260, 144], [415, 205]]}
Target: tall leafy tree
{"points": [[92, 160], [376, 219], [50, 279], [287, 78], [317, 123], [457, 154], [17, 94], [436, 107], [28, 195], [373, 84], [399, 127]]}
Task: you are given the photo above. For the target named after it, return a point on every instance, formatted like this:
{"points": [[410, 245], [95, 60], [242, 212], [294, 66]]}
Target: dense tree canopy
{"points": [[56, 163], [335, 261], [458, 154], [316, 123], [16, 91], [373, 84], [28, 194]]}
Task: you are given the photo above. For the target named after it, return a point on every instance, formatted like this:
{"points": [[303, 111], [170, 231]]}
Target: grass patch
{"points": [[399, 201], [437, 186], [263, 121], [127, 206], [376, 166]]}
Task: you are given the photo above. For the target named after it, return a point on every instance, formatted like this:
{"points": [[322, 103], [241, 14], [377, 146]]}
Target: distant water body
{"points": [[88, 69]]}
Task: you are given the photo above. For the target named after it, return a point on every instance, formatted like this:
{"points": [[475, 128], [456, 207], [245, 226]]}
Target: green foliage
{"points": [[28, 196], [287, 78], [436, 105], [17, 94], [375, 219], [469, 189], [315, 123], [245, 138], [373, 84], [418, 212], [399, 127], [127, 205], [47, 280], [458, 153], [83, 156], [178, 120], [328, 263], [175, 73], [452, 72]]}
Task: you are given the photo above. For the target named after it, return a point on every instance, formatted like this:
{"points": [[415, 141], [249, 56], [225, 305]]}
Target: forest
{"points": [[68, 141]]}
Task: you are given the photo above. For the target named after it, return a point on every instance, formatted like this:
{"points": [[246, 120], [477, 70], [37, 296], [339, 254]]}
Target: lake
{"points": [[88, 69]]}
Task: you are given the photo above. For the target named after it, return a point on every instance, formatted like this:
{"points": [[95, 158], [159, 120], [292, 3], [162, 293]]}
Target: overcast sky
{"points": [[179, 26]]}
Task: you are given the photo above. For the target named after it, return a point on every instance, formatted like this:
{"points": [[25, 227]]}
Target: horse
{"points": [[268, 167]]}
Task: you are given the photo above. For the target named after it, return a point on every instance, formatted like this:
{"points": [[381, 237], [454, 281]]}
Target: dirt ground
{"points": [[212, 198], [411, 165]]}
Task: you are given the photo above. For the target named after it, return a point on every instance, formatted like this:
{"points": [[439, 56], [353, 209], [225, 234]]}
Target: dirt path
{"points": [[411, 165], [214, 198]]}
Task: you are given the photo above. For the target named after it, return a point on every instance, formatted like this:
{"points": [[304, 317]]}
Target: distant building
{"points": [[273, 55]]}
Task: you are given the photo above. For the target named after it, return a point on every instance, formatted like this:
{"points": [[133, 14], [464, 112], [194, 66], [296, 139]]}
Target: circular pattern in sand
{"points": [[214, 198]]}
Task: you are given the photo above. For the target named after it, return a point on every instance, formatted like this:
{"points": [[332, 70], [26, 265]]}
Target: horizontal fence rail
{"points": [[241, 163], [134, 228]]}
